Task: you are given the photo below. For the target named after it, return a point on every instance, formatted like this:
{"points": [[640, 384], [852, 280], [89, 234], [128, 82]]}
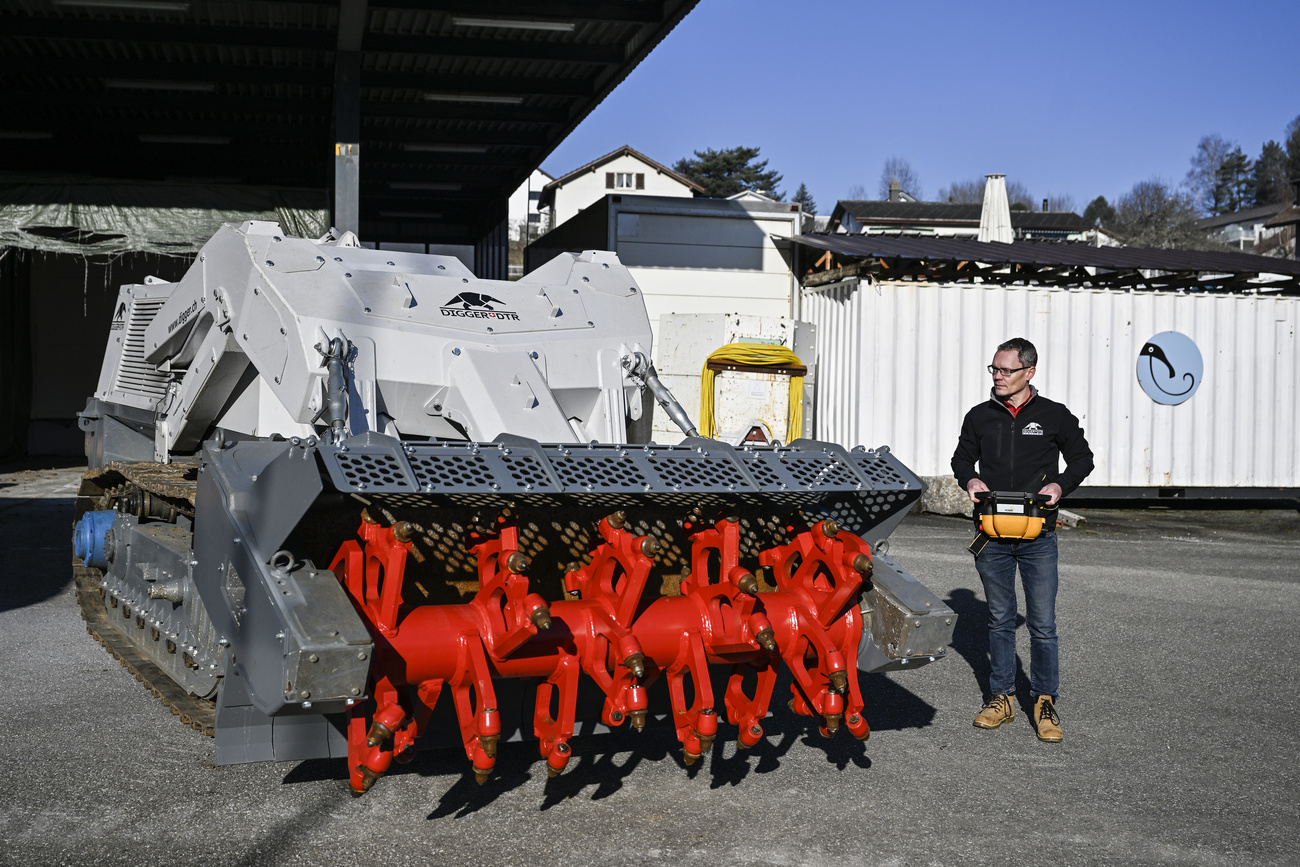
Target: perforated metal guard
{"points": [[860, 488], [894, 488]]}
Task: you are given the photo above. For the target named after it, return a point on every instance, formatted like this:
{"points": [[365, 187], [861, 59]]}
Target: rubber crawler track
{"points": [[197, 713]]}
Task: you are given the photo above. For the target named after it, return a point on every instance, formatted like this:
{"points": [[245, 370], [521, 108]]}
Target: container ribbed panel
{"points": [[899, 364]]}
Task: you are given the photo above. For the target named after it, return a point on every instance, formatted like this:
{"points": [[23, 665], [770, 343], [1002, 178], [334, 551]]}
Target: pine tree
{"points": [[1099, 211], [1235, 183], [727, 172], [1270, 176], [1293, 150], [804, 200]]}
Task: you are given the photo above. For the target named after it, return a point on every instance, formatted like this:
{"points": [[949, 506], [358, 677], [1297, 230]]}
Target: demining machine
{"points": [[346, 502]]}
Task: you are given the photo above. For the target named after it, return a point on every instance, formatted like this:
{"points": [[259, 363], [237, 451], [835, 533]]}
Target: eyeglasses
{"points": [[1005, 371]]}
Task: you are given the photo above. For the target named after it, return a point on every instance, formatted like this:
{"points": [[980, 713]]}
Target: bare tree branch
{"points": [[899, 170]]}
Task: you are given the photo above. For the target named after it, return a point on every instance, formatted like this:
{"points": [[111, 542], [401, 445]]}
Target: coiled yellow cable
{"points": [[756, 355]]}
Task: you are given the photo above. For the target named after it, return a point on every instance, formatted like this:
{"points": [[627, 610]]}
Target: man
{"points": [[1018, 438]]}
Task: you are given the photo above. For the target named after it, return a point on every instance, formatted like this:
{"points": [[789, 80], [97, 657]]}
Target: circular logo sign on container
{"points": [[1169, 368]]}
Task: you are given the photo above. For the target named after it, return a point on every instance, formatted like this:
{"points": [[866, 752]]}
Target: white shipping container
{"points": [[900, 363]]}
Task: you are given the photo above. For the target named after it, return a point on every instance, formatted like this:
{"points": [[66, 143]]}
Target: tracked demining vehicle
{"points": [[351, 502]]}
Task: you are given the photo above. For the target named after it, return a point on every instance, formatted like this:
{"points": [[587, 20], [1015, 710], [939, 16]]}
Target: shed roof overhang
{"points": [[831, 258], [452, 103]]}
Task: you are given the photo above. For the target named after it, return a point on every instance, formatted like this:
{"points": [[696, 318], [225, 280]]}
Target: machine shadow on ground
{"points": [[606, 759], [603, 761], [970, 638], [38, 561], [282, 842]]}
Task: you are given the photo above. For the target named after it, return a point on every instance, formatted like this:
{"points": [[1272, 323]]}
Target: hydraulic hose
{"points": [[642, 371]]}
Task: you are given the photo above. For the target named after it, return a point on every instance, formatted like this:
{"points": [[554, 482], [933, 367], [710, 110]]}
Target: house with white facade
{"points": [[624, 171], [1243, 230], [522, 210], [524, 219]]}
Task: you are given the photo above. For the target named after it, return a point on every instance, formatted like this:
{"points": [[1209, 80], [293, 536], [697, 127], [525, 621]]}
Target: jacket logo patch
{"points": [[1033, 429]]}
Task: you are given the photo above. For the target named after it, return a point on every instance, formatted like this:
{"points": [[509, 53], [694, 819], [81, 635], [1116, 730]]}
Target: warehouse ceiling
{"points": [[453, 103]]}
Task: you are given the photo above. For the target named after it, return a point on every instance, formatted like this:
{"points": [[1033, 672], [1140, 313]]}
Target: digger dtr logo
{"points": [[472, 305]]}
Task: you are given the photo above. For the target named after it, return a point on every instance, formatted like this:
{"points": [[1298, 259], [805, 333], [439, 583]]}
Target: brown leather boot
{"points": [[997, 711], [1046, 722]]}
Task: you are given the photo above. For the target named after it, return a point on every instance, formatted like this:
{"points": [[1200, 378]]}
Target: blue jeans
{"points": [[1038, 575]]}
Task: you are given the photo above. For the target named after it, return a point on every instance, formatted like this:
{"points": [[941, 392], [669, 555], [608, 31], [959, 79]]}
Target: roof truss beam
{"points": [[495, 49], [635, 12], [77, 28]]}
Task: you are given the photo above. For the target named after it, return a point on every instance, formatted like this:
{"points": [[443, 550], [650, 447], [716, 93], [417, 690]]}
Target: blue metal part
{"points": [[89, 539]]}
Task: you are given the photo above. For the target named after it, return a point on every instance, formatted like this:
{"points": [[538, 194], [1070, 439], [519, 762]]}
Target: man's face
{"points": [[1015, 386]]}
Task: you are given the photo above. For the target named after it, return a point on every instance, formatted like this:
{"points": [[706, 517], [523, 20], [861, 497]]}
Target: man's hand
{"points": [[1053, 491], [975, 486]]}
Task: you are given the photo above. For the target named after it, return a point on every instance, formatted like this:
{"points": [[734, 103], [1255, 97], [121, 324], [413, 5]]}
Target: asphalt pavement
{"points": [[1178, 635]]}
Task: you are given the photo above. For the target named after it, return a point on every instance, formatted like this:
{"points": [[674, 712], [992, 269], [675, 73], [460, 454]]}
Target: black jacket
{"points": [[1022, 452]]}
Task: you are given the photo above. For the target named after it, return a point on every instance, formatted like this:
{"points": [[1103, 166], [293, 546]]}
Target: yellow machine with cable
{"points": [[753, 358]]}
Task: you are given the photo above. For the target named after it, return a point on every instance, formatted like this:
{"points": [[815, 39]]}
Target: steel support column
{"points": [[492, 252], [347, 116]]}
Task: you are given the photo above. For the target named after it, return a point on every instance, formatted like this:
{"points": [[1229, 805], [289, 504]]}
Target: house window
{"points": [[624, 181]]}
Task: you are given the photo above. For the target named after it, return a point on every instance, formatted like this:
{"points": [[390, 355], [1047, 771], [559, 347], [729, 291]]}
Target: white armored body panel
{"points": [[425, 349]]}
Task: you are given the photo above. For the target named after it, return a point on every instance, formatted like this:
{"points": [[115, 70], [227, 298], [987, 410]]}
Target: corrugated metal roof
{"points": [[1262, 213], [1286, 217], [1047, 263], [245, 91], [950, 212]]}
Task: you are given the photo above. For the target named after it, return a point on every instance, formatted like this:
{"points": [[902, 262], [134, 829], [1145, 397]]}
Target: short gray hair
{"points": [[1022, 347]]}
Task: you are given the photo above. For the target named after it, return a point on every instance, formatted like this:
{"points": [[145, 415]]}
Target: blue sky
{"points": [[1082, 99]]}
